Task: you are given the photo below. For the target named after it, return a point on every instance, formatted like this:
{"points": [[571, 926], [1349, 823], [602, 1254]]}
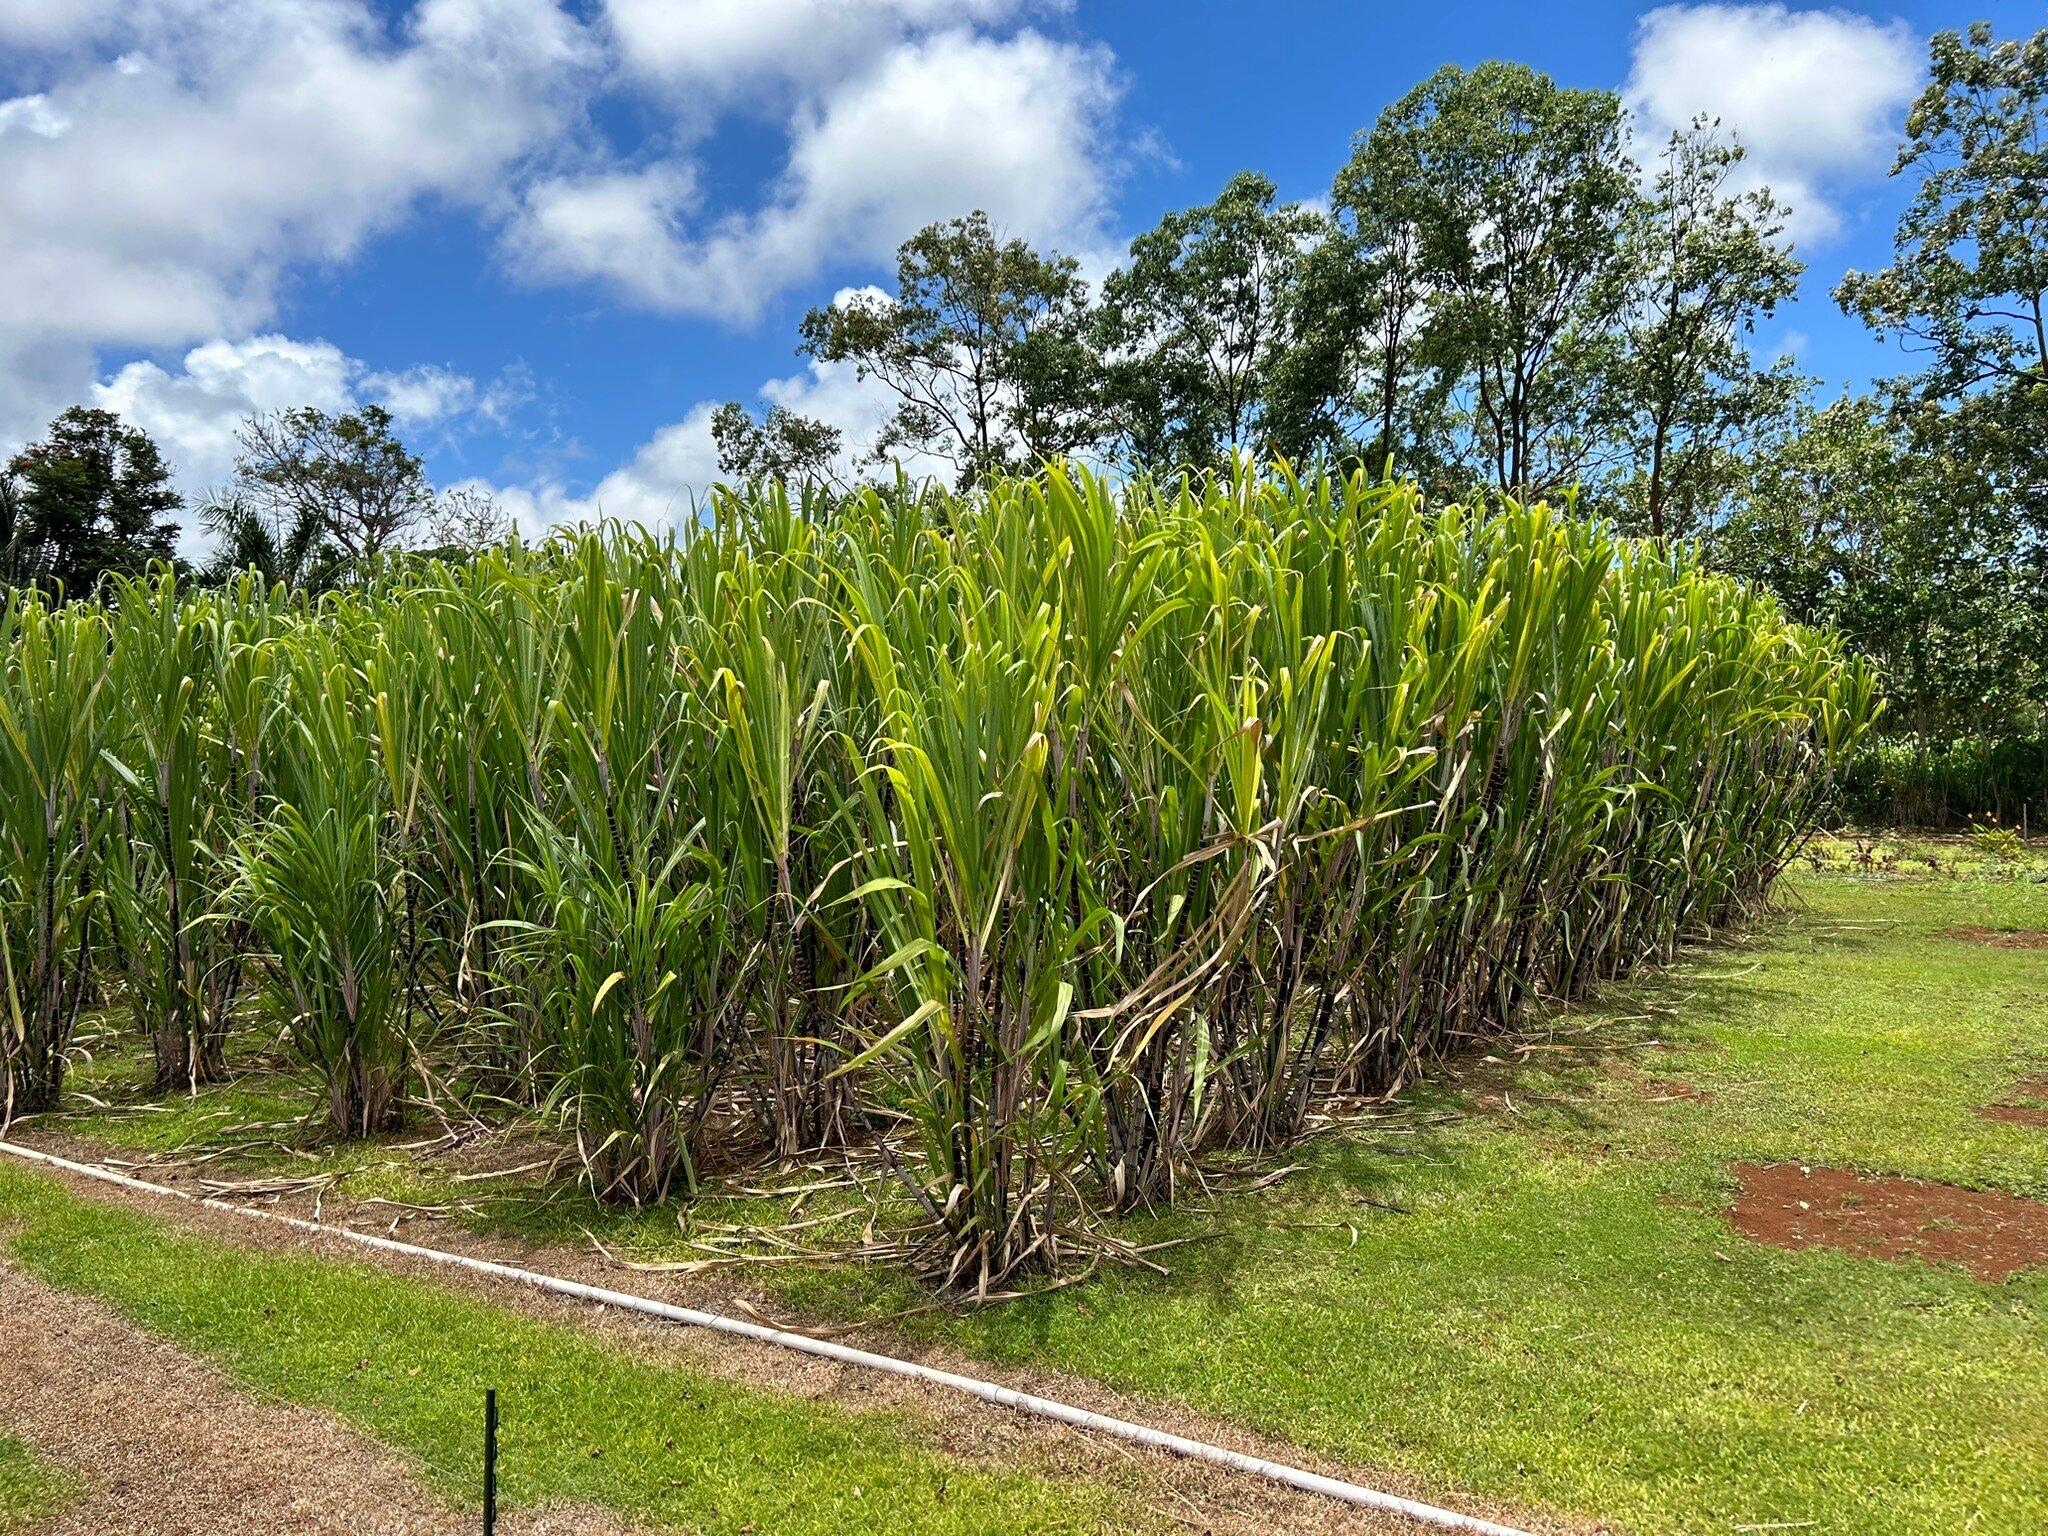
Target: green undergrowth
{"points": [[1988, 854], [407, 1361], [261, 1104]]}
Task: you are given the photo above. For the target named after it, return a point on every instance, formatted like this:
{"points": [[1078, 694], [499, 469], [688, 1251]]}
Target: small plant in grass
{"points": [[2001, 845]]}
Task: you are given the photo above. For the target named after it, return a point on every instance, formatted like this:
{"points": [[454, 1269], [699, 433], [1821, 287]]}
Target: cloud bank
{"points": [[1817, 97], [170, 165]]}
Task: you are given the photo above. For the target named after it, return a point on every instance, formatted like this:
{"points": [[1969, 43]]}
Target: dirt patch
{"points": [[1672, 1092], [2013, 1114], [1790, 1206], [2034, 1113], [1187, 1496], [164, 1445], [2002, 938]]}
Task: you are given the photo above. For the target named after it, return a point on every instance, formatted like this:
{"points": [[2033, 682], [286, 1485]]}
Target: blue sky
{"points": [[550, 233]]}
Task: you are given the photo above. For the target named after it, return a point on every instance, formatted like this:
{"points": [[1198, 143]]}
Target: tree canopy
{"points": [[92, 498], [982, 345], [1194, 325], [1967, 290], [1854, 529], [347, 475], [1705, 264], [783, 445]]}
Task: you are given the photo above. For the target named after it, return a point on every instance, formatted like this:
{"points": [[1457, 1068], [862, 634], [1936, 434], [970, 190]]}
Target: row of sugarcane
{"points": [[1056, 835]]}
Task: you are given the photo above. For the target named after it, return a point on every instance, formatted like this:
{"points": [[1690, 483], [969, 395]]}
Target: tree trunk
{"points": [[1658, 440]]}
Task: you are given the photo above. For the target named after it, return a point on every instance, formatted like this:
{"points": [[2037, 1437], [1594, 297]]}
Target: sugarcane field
{"points": [[1369, 861]]}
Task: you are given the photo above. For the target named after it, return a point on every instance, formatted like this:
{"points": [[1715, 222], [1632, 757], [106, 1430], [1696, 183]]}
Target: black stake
{"points": [[490, 1460]]}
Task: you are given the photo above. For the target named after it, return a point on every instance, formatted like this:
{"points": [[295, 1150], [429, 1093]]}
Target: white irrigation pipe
{"points": [[987, 1391]]}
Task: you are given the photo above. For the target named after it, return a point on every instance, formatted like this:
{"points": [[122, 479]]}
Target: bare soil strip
{"points": [[2013, 1114], [1989, 1233], [1190, 1496], [2002, 938], [166, 1445]]}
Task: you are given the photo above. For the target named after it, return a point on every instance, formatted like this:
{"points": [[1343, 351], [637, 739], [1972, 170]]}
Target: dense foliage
{"points": [[1966, 781], [1506, 290], [1916, 520], [94, 495], [1076, 831]]}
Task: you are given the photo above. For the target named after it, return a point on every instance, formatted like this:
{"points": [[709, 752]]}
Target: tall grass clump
{"points": [[639, 969], [323, 891], [54, 711], [768, 653], [182, 761], [1037, 844], [966, 862]]}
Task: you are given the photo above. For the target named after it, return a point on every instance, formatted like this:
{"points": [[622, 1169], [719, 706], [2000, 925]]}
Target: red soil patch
{"points": [[1989, 1234], [2002, 938], [2032, 1088], [2013, 1114]]}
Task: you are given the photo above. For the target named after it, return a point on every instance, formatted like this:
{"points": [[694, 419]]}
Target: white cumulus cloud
{"points": [[1816, 96], [659, 486], [193, 411], [194, 408], [433, 396], [765, 53], [52, 23], [671, 474], [937, 126], [169, 167], [181, 156], [33, 114]]}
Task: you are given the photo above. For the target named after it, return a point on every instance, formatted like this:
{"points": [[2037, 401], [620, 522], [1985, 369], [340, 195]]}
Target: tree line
{"points": [[315, 497], [1497, 294], [1502, 292]]}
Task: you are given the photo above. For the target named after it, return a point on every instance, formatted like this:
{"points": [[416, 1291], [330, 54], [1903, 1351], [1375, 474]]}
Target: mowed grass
{"points": [[30, 1489], [1522, 1284], [1537, 1296], [407, 1361]]}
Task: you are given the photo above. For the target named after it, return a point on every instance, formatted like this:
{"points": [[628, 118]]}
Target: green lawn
{"points": [[29, 1489], [1520, 1285]]}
